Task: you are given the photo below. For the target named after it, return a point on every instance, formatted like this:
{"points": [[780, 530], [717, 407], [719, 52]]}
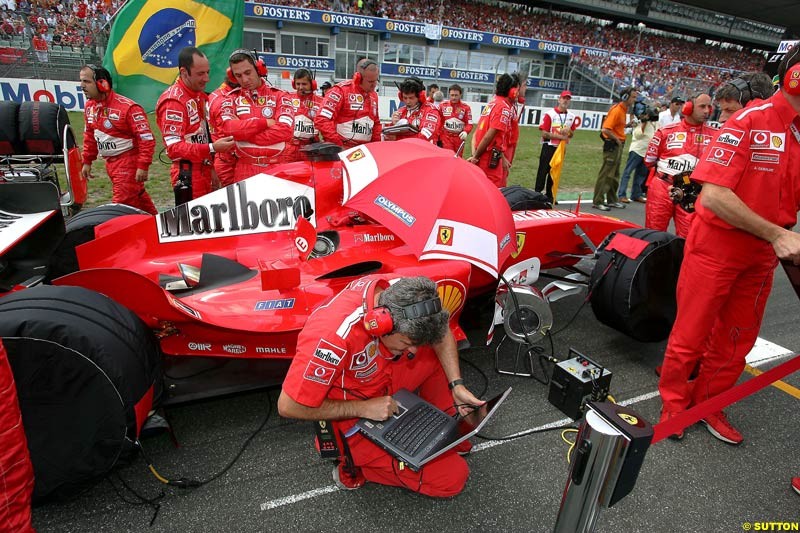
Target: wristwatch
{"points": [[211, 147], [455, 383]]}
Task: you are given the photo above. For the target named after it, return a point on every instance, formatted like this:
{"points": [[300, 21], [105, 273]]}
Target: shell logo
{"points": [[326, 17], [282, 61], [777, 142], [451, 292]]}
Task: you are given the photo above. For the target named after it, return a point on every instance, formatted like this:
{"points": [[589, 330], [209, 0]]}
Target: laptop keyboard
{"points": [[414, 428]]}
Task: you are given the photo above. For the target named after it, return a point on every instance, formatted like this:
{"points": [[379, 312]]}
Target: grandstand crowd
{"points": [[657, 62], [670, 60]]}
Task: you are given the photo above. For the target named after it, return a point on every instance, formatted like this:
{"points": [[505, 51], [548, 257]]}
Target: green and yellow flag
{"points": [[147, 36]]}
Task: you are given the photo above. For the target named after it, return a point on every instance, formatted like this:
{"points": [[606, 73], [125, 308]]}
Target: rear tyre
{"points": [[87, 370], [80, 230]]}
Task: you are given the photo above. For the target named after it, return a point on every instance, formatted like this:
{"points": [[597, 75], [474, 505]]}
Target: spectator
{"points": [[41, 48], [613, 134]]}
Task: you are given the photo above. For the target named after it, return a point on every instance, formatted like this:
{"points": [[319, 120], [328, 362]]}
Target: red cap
{"points": [[566, 94]]}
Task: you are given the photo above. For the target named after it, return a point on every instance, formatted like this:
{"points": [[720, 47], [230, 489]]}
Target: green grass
{"points": [[584, 156]]}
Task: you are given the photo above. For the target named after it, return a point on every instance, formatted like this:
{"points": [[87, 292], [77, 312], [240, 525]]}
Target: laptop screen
{"points": [[473, 422]]}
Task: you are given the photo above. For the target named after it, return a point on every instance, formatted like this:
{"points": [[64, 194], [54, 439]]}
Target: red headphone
{"points": [[362, 65], [513, 93], [101, 77], [305, 73], [378, 320], [421, 95], [261, 67]]}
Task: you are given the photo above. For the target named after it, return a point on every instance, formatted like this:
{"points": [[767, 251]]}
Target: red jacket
{"points": [[677, 148], [456, 118], [117, 126], [349, 116], [181, 117], [262, 123], [426, 118]]}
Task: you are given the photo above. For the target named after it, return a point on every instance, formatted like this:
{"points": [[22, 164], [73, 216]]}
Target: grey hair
{"points": [[421, 331]]}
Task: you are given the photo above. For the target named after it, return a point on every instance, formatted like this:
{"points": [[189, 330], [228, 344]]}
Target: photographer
{"points": [[641, 135]]}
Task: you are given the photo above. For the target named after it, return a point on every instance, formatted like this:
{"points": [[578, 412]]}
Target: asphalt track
{"points": [[280, 484]]}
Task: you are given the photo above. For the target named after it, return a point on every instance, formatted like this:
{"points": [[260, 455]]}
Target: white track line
{"points": [[763, 352]]}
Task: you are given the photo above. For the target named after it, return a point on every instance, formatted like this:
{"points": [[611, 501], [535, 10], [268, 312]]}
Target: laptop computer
{"points": [[420, 432], [793, 273], [400, 128]]}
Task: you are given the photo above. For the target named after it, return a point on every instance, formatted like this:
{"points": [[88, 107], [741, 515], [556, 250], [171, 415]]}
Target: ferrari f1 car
{"points": [[208, 298]]}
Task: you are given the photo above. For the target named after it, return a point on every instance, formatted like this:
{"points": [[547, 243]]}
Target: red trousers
{"points": [[446, 475], [497, 175], [451, 142], [225, 165], [725, 280], [125, 189], [660, 209], [16, 472]]}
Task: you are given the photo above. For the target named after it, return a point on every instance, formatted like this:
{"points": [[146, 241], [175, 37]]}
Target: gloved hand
{"points": [[462, 135]]}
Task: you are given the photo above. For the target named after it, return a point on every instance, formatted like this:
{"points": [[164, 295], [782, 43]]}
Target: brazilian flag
{"points": [[147, 36]]}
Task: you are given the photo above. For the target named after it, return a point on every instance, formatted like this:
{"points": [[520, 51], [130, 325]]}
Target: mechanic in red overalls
{"points": [[457, 120], [16, 472], [264, 116], [220, 107], [673, 150], [349, 361], [306, 105], [117, 129], [181, 117], [490, 141], [349, 114], [750, 198], [417, 112]]}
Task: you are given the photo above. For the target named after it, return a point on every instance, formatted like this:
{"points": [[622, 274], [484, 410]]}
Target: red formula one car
{"points": [[208, 298]]}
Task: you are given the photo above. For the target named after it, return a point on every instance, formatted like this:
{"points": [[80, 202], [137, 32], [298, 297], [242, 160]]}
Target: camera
{"points": [[649, 115]]}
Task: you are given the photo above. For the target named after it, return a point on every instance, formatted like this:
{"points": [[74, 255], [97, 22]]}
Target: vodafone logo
{"points": [[318, 373], [767, 140], [721, 156]]}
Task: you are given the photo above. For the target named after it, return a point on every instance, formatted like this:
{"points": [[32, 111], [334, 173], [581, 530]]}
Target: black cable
{"points": [[151, 502], [185, 483], [481, 372]]}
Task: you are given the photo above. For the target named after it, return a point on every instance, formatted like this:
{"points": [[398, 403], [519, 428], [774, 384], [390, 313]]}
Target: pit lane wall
{"points": [[69, 95]]}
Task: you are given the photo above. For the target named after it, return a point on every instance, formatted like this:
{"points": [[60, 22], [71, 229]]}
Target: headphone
{"points": [[741, 84], [362, 65], [626, 93], [378, 320], [688, 106], [305, 73], [256, 61], [420, 93], [102, 78], [790, 79]]}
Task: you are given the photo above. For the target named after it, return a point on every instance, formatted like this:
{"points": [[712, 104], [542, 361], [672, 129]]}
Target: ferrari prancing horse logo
{"points": [[445, 235], [355, 156], [520, 244]]}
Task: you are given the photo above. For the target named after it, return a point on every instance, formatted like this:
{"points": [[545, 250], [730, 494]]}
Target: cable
{"points": [[570, 442], [185, 483], [152, 502]]}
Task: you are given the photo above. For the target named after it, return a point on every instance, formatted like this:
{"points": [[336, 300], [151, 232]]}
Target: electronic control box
{"points": [[577, 381]]}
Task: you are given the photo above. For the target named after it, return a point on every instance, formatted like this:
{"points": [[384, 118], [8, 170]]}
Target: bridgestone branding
{"points": [[261, 204]]}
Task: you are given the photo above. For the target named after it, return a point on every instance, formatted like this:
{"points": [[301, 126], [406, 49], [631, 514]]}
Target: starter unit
{"points": [[576, 382]]}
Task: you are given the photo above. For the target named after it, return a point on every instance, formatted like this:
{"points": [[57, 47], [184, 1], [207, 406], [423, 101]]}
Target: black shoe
{"points": [[601, 207]]}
